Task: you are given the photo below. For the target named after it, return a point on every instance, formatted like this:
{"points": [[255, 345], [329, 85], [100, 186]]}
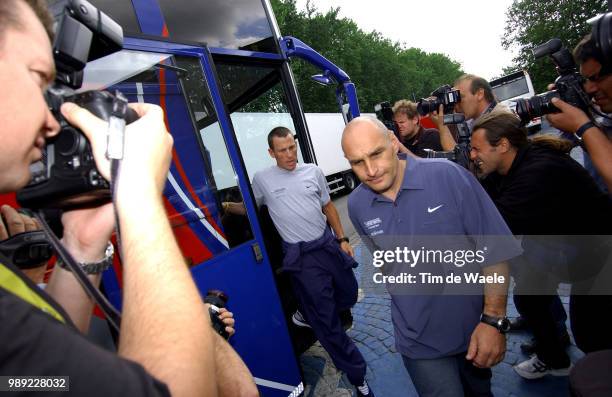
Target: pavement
{"points": [[373, 333]]}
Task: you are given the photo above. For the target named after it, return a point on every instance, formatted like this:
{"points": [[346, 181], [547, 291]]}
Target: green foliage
{"points": [[533, 22], [382, 70]]}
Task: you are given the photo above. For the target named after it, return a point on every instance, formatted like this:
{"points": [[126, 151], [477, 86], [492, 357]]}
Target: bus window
{"points": [[220, 23], [257, 103], [199, 180]]}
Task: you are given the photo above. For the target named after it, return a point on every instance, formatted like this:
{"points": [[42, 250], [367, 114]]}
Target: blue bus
{"points": [[207, 64]]}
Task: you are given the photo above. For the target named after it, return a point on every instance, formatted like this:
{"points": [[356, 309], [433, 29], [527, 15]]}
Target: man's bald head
{"points": [[363, 125]]}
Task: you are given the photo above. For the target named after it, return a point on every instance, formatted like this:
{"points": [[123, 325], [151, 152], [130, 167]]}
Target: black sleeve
{"points": [[33, 343], [431, 140]]}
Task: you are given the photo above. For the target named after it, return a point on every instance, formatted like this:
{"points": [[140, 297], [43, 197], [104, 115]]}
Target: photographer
{"points": [[597, 140], [166, 344], [534, 186], [477, 98], [411, 133]]}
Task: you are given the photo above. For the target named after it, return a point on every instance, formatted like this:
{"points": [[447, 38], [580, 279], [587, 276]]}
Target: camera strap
{"points": [[113, 316]]}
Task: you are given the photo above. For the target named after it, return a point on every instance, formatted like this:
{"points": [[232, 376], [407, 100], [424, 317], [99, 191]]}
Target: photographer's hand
{"points": [[569, 119], [438, 117], [13, 223], [447, 141], [173, 341], [228, 319], [147, 149]]}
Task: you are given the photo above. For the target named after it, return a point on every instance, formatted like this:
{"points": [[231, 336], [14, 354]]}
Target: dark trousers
{"points": [[451, 376], [543, 319], [323, 288], [590, 325]]}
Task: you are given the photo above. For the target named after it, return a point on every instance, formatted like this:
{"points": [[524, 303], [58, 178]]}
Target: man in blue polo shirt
{"points": [[448, 343]]}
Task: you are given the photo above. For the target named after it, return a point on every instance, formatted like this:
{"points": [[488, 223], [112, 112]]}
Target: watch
{"points": [[342, 239], [93, 267], [501, 323], [582, 129]]}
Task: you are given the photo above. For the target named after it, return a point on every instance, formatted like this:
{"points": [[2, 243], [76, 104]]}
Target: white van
{"points": [[517, 85]]}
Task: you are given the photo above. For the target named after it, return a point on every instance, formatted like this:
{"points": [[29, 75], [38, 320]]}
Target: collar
{"points": [[518, 159]]}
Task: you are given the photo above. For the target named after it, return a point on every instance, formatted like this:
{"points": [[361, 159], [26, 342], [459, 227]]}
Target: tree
{"points": [[381, 69], [532, 22]]}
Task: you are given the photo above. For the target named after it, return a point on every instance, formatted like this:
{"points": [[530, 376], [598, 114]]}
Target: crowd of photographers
{"points": [[541, 192]]}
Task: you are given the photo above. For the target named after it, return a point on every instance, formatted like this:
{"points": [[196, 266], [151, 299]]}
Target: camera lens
{"points": [[536, 106], [426, 106]]}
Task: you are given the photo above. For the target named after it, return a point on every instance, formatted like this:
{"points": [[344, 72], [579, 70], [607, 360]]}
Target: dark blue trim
{"points": [[150, 16], [293, 47], [233, 150], [245, 54]]}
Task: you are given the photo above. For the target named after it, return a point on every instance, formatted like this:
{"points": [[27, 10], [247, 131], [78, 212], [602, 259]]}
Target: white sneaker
{"points": [[534, 368], [299, 320]]}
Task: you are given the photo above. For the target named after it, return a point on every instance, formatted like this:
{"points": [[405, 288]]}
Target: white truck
{"points": [[325, 130]]}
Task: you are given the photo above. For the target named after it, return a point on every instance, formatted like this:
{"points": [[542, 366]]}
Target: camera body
{"points": [[67, 175], [384, 113], [568, 86], [444, 95]]}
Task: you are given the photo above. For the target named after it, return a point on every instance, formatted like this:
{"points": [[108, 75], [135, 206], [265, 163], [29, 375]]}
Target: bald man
{"points": [[448, 343]]}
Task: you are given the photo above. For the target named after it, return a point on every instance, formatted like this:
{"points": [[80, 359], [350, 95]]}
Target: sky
{"points": [[467, 31]]}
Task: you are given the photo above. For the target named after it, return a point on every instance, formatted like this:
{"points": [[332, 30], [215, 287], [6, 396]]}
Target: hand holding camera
{"points": [[569, 119], [147, 149]]}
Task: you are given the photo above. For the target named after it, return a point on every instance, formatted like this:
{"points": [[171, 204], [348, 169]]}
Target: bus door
{"points": [[225, 251]]}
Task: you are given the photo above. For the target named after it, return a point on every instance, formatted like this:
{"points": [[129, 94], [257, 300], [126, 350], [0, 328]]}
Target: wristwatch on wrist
{"points": [[340, 240], [94, 267], [582, 129], [501, 323]]}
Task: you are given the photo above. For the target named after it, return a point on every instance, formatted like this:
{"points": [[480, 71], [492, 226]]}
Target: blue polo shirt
{"points": [[437, 197]]}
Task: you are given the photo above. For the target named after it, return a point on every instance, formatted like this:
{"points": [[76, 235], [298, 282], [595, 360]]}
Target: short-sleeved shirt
{"points": [[36, 344], [437, 197], [294, 199], [425, 138]]}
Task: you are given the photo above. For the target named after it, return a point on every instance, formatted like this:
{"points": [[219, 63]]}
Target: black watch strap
{"points": [[340, 240], [501, 323], [582, 129]]}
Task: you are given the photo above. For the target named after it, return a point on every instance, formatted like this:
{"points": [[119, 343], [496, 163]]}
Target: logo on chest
{"points": [[372, 226]]}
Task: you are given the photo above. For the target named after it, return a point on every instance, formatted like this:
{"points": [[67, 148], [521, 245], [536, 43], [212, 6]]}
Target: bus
{"points": [[508, 89], [221, 72]]}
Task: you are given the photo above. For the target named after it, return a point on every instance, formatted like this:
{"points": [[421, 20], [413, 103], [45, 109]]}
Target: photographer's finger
{"points": [[82, 119], [30, 223], [562, 105], [3, 231], [13, 220], [143, 109]]}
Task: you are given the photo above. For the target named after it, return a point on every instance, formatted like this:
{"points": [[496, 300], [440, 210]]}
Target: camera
{"points": [[384, 113], [67, 175], [217, 300], [444, 95], [568, 86]]}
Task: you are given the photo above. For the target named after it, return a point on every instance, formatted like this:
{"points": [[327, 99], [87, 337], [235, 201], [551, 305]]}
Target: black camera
{"points": [[384, 113], [444, 95], [568, 85], [217, 300], [67, 174]]}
